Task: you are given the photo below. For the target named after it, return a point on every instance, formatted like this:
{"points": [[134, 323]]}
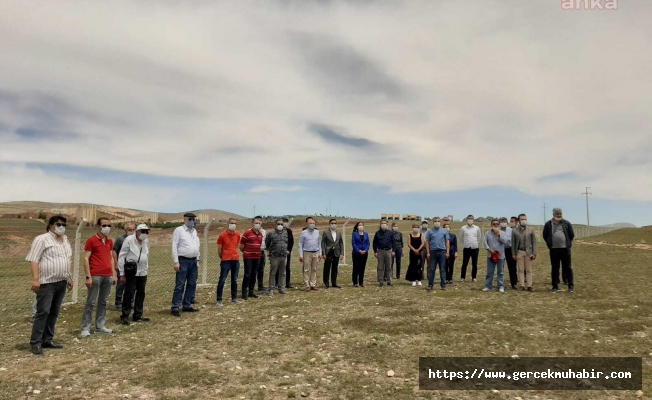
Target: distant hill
{"points": [[33, 208], [622, 225]]}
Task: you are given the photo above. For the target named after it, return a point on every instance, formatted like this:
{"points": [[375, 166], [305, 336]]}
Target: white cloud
{"points": [[267, 189], [456, 95]]}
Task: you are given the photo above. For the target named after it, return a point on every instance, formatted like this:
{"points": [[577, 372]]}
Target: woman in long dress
{"points": [[415, 269]]}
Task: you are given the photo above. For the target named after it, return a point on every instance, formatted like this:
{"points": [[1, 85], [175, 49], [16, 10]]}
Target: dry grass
{"points": [[340, 343]]}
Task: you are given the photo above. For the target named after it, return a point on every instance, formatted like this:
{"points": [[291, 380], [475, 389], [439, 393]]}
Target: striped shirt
{"points": [[251, 241], [130, 251], [53, 258], [309, 241]]}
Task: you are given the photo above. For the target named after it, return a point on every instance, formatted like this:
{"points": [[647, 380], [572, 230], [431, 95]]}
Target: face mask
{"points": [[557, 219], [448, 229], [59, 230], [524, 222], [257, 227], [469, 222], [415, 230], [395, 228], [285, 224], [437, 224], [143, 236], [383, 227], [232, 227], [503, 224], [333, 226], [424, 227], [279, 227], [360, 228], [130, 233], [106, 230], [496, 228], [190, 224], [513, 225], [311, 226]]}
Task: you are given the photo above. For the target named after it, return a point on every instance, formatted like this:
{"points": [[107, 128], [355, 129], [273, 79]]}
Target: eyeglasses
{"points": [[106, 226], [60, 224], [279, 224]]}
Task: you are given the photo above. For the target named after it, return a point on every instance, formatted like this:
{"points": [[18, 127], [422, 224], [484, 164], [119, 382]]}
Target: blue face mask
{"points": [[190, 224]]}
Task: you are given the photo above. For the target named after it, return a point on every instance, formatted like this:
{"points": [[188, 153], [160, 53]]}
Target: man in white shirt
{"points": [[309, 255], [260, 274], [470, 238], [50, 258], [133, 265], [185, 255]]}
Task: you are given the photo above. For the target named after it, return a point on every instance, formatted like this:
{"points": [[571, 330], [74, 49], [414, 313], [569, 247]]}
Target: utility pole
{"points": [[545, 207], [587, 194], [329, 206], [254, 216]]}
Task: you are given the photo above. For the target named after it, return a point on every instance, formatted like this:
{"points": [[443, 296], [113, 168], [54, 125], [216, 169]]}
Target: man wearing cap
{"points": [[133, 265], [185, 255], [558, 234]]}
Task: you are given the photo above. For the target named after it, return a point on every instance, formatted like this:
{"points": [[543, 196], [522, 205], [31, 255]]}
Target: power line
{"points": [[587, 194]]}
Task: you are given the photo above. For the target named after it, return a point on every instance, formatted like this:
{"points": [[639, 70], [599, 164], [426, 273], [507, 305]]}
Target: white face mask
{"points": [[469, 222], [383, 227], [360, 228], [333, 226], [232, 227], [143, 236], [424, 227], [437, 224], [130, 233], [448, 229], [415, 230], [106, 230], [279, 227], [557, 219], [311, 226], [496, 228], [503, 224], [524, 222], [257, 227], [395, 228], [513, 225], [59, 230]]}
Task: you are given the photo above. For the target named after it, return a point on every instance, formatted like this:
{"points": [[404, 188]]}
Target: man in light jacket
{"points": [[135, 249], [470, 238], [524, 247]]}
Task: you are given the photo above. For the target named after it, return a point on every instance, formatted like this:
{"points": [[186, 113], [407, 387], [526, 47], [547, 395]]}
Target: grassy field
{"points": [[339, 344]]}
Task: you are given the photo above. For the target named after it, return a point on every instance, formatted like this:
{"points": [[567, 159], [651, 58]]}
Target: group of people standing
{"points": [[126, 264]]}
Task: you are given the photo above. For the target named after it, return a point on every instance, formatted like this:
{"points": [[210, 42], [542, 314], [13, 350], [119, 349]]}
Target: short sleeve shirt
{"points": [[100, 260], [229, 242], [437, 238]]}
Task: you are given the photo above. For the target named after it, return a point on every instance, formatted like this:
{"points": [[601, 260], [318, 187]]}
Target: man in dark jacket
{"points": [[288, 285], [558, 235]]}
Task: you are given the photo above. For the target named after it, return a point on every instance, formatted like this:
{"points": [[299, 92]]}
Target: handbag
{"points": [[495, 257], [131, 267]]}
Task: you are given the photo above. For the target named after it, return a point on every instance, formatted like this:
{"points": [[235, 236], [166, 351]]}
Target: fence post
{"points": [[204, 271], [75, 271], [344, 241]]}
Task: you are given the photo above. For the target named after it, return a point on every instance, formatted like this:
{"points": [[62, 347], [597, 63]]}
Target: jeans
{"points": [[48, 303], [563, 257], [249, 276], [437, 257], [491, 267], [98, 292], [232, 266], [260, 274], [469, 253], [186, 279], [134, 294], [397, 259]]}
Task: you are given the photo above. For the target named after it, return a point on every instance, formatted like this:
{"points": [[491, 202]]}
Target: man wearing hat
{"points": [[133, 265], [185, 255]]}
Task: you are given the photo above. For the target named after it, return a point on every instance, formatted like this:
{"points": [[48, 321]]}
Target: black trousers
{"points": [[397, 260], [359, 265], [511, 267], [563, 257], [472, 254], [135, 284], [450, 267], [249, 276], [48, 303], [287, 274], [260, 273], [331, 268]]}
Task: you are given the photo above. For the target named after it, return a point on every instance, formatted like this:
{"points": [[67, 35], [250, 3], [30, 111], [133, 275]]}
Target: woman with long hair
{"points": [[416, 243]]}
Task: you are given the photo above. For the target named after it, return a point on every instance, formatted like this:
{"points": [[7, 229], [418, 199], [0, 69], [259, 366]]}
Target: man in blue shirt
{"points": [[438, 247], [384, 251]]}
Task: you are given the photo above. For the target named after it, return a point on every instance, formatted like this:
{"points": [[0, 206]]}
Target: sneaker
{"points": [[554, 290], [462, 280], [175, 313], [414, 283], [356, 285], [501, 290], [475, 280], [315, 288], [103, 330], [85, 333], [419, 283], [571, 290], [271, 293], [430, 288], [361, 285], [486, 289], [220, 304], [236, 301]]}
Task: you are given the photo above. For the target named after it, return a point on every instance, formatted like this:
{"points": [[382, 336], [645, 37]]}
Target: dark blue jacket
{"points": [[453, 242], [360, 243], [383, 240], [568, 231]]}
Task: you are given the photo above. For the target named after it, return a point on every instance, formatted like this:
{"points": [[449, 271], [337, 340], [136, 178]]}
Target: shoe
{"points": [[530, 289], [142, 319], [307, 289], [565, 283], [85, 333], [554, 290], [124, 321], [380, 284], [336, 286], [190, 310], [271, 293], [254, 295], [361, 285], [175, 313], [315, 288], [523, 289], [443, 288], [475, 280], [194, 301], [263, 289], [430, 288], [52, 345], [501, 290], [462, 280], [389, 283], [514, 287], [37, 350], [245, 297], [486, 289], [326, 286], [282, 291], [220, 303], [414, 283], [236, 301], [289, 287], [571, 290], [356, 285], [419, 283], [103, 330]]}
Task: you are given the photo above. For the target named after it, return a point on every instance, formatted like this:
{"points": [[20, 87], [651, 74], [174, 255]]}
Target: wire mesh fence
{"points": [[16, 237]]}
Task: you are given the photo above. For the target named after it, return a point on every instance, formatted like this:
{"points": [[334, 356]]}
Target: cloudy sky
{"points": [[427, 107]]}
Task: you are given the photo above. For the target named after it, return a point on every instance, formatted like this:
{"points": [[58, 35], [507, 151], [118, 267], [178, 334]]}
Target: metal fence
{"points": [[15, 276]]}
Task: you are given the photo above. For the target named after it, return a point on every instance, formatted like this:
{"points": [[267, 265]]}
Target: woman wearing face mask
{"points": [[360, 244], [134, 254], [416, 245], [452, 255], [398, 249]]}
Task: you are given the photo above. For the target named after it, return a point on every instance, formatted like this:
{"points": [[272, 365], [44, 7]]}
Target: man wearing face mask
{"points": [[398, 249], [470, 237], [250, 244], [259, 276], [438, 247], [384, 251], [50, 258], [524, 245], [506, 230], [130, 228], [227, 249], [558, 234], [452, 254], [100, 276], [360, 245], [494, 243], [185, 255], [135, 250], [309, 255], [288, 269], [276, 243], [332, 250]]}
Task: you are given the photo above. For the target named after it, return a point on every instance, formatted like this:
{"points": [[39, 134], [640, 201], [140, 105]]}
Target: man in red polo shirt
{"points": [[227, 247], [100, 276], [250, 247]]}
